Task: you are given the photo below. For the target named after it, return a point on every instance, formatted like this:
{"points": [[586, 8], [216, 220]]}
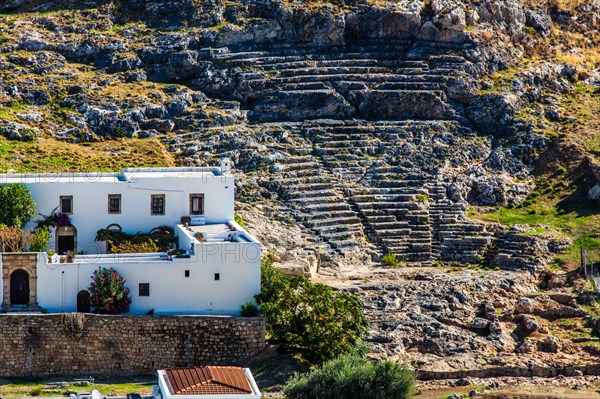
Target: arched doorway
{"points": [[66, 239], [19, 287], [83, 302]]}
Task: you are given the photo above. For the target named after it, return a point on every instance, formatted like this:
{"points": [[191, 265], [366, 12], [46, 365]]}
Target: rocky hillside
{"points": [[370, 125], [442, 131]]}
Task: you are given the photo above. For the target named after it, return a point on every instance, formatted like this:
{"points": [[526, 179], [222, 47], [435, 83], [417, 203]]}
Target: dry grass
{"points": [[49, 155], [586, 59]]}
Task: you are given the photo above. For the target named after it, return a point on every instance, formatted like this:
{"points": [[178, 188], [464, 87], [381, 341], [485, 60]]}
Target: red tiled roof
{"points": [[211, 380]]}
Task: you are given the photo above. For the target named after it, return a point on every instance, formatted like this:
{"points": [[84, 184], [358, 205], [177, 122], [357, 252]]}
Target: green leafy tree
{"points": [[350, 377], [108, 292], [40, 240], [308, 317], [17, 206]]}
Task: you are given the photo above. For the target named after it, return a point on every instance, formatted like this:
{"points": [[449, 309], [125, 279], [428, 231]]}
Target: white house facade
{"points": [[219, 272]]}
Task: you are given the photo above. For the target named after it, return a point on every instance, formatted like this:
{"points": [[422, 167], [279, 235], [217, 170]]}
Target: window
{"points": [[157, 205], [144, 289], [217, 276], [66, 204], [187, 273], [114, 203], [196, 204]]}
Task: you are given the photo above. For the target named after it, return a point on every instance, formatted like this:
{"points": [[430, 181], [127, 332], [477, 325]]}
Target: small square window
{"points": [[66, 204], [196, 204], [187, 273], [144, 289], [217, 276], [157, 204], [114, 203]]}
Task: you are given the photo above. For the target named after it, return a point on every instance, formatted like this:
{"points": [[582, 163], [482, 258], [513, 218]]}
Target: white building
{"points": [[221, 272], [211, 382]]}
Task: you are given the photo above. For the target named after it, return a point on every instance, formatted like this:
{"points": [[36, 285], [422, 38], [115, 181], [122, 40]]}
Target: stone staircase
{"points": [[316, 202], [455, 239], [368, 127], [353, 81]]}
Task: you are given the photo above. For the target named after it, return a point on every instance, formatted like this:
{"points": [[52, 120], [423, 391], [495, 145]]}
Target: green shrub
{"points": [[390, 260], [36, 391], [309, 318], [161, 236], [128, 247], [40, 240], [249, 309], [108, 292], [17, 206], [239, 220], [349, 377], [422, 198]]}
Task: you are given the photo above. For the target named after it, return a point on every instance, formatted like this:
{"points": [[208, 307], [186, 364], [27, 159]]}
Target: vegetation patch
{"points": [[349, 377], [108, 293], [49, 155], [158, 239], [309, 318]]}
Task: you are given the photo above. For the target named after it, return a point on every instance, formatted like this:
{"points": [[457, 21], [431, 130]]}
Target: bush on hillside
{"points": [[310, 318], [350, 377], [390, 260], [17, 206], [239, 220]]}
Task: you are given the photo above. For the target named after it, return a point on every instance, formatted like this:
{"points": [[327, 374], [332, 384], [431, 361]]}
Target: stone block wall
{"points": [[77, 343]]}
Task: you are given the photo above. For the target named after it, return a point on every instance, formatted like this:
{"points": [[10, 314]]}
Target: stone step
{"points": [[333, 198], [344, 63], [326, 207], [395, 225], [267, 82], [329, 192], [306, 183], [336, 220], [372, 197], [312, 165], [349, 228], [391, 206], [339, 69]]}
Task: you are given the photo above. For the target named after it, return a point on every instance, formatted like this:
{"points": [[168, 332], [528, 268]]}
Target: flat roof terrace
{"points": [[127, 175], [220, 232]]}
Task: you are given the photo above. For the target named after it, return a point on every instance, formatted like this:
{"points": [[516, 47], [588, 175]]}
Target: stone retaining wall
{"points": [[76, 343]]}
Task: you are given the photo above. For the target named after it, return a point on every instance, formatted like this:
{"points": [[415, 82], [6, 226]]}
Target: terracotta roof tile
{"points": [[211, 380]]}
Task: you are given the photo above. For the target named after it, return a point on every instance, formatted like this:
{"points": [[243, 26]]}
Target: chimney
{"points": [[225, 165]]}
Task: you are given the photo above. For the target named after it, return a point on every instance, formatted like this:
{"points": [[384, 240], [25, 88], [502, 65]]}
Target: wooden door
{"points": [[19, 287]]}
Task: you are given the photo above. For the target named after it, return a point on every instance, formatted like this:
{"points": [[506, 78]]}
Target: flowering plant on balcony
{"points": [[108, 292], [62, 219], [55, 219]]}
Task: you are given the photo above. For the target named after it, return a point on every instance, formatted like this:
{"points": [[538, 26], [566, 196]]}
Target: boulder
{"points": [[539, 21], [301, 105], [549, 344], [525, 305]]}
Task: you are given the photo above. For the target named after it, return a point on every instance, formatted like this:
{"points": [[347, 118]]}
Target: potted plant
{"points": [[70, 256], [50, 254], [185, 220], [62, 259], [199, 236]]}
